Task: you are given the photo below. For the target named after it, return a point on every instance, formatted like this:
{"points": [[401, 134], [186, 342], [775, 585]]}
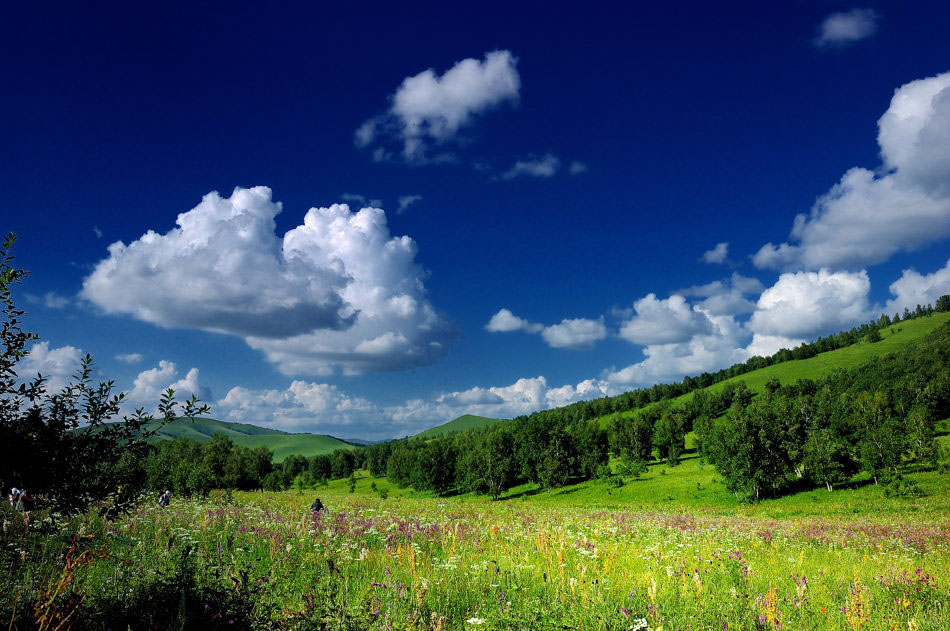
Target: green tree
{"points": [[883, 438], [921, 432], [491, 465], [217, 450], [557, 460], [826, 459], [63, 445], [746, 449], [592, 448], [669, 436]]}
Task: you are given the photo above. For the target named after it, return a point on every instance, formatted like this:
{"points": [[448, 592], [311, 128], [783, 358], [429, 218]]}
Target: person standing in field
{"points": [[23, 501]]}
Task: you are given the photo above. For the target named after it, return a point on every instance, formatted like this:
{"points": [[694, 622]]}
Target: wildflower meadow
{"points": [[263, 560]]}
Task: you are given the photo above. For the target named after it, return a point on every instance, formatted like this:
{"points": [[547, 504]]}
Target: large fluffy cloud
{"points": [[868, 215], [430, 109], [913, 289], [715, 345], [667, 321], [805, 304], [336, 291], [726, 297]]}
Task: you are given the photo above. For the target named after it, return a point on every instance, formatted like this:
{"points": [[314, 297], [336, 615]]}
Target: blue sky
{"points": [[540, 208]]}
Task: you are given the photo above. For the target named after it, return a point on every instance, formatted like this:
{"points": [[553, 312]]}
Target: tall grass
{"points": [[446, 564]]}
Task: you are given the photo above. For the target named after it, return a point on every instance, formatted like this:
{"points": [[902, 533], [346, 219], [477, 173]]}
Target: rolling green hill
{"points": [[893, 339], [283, 444], [461, 424]]}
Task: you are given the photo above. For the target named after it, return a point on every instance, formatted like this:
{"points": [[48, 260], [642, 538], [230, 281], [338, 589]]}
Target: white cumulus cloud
{"points": [[717, 345], [524, 396], [574, 333], [913, 289], [767, 345], [802, 305], [846, 27], [337, 291], [304, 406], [726, 297], [870, 215], [428, 109], [667, 321], [57, 365], [505, 322], [149, 385]]}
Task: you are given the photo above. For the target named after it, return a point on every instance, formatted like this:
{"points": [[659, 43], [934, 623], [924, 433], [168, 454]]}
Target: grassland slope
{"points": [[461, 424], [892, 340], [283, 444]]}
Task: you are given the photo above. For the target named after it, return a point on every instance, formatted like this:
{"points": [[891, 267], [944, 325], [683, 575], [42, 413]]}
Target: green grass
{"points": [[283, 444], [424, 564], [461, 424], [696, 487], [893, 339]]}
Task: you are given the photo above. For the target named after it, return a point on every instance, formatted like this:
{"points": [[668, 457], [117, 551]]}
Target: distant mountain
{"points": [[461, 424], [283, 444]]}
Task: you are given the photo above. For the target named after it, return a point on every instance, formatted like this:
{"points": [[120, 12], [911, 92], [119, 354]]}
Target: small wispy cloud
{"points": [[406, 201], [577, 168], [50, 300], [361, 200], [430, 110], [129, 358], [544, 167], [717, 255], [847, 27], [574, 333], [96, 231]]}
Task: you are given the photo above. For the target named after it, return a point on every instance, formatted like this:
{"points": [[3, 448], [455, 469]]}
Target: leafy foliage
{"points": [[61, 446]]}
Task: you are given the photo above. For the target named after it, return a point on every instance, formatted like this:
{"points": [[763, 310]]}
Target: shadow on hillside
{"points": [[525, 493]]}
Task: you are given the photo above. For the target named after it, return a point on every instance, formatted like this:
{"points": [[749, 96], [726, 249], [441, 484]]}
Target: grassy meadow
{"points": [[669, 551]]}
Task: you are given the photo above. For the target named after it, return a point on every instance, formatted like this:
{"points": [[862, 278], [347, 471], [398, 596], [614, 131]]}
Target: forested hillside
{"points": [[803, 419]]}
